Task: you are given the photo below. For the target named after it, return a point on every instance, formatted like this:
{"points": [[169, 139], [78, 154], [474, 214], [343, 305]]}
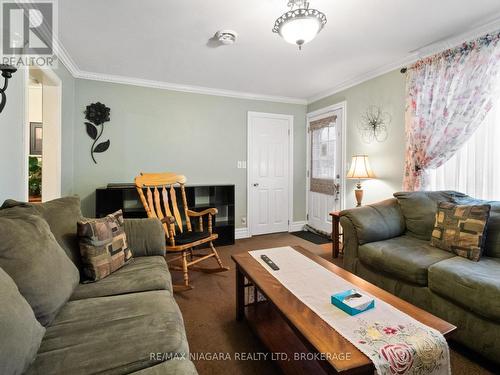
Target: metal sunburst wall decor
{"points": [[373, 125]]}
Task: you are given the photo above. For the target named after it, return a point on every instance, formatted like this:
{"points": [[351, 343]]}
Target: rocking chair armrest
{"points": [[211, 211], [168, 220]]}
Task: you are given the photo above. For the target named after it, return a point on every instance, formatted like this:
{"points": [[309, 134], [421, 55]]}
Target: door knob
{"points": [[256, 184]]}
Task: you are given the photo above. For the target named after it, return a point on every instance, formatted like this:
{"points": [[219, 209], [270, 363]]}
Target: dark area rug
{"points": [[312, 237], [209, 315]]}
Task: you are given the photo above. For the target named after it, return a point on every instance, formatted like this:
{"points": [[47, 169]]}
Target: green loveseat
{"points": [[126, 323], [388, 244]]}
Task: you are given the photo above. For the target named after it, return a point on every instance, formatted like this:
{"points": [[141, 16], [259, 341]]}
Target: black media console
{"points": [[199, 197]]}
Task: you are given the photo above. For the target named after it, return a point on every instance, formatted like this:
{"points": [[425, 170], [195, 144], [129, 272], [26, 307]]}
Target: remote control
{"points": [[269, 262]]}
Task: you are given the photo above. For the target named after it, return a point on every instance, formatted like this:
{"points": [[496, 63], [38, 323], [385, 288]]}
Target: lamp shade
{"points": [[360, 168]]}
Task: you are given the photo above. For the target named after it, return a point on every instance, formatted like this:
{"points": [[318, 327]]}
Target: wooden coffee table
{"points": [[297, 339]]}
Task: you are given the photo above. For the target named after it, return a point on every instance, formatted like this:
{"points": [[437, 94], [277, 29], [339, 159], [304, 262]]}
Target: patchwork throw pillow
{"points": [[460, 229], [103, 245]]}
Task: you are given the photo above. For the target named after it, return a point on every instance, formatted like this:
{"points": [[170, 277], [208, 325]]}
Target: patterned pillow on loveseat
{"points": [[103, 245], [460, 229]]}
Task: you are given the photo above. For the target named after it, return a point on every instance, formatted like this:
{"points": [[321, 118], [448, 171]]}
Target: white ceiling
{"points": [[166, 40]]}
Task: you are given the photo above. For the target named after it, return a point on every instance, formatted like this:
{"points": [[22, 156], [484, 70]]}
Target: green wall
{"points": [[201, 136], [12, 157], [386, 158], [67, 128]]}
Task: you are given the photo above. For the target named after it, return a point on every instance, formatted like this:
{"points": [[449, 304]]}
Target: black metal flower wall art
{"points": [[373, 124], [96, 114]]}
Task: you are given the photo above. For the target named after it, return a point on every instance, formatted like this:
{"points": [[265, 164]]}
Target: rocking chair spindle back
{"points": [[159, 198]]}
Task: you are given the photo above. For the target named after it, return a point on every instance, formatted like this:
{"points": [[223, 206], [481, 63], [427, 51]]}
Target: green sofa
{"points": [[388, 244], [126, 323]]}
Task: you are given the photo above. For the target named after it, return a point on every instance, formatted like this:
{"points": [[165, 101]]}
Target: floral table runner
{"points": [[396, 343]]}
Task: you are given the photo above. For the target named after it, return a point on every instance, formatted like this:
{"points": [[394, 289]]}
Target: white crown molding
{"points": [[186, 88], [475, 31], [65, 58], [356, 80], [76, 72]]}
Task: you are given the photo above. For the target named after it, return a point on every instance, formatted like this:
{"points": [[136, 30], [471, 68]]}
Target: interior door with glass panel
{"points": [[324, 172]]}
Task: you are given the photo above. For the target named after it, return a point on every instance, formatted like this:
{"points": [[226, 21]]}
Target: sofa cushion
{"points": [[419, 210], [172, 367], [460, 229], [61, 214], [21, 333], [145, 236], [29, 253], [405, 258], [112, 335], [103, 245], [141, 274], [474, 286]]}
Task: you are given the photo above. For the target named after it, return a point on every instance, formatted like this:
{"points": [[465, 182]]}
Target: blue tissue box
{"points": [[357, 303]]}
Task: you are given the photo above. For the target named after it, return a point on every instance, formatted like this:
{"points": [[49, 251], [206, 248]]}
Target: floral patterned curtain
{"points": [[448, 96]]}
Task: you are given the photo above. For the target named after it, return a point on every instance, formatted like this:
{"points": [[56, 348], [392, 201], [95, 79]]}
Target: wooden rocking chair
{"points": [[157, 187]]}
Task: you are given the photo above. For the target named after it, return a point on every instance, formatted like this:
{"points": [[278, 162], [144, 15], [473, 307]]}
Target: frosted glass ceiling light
{"points": [[300, 24]]}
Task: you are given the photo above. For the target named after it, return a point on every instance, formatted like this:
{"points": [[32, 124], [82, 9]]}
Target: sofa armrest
{"points": [[349, 244], [145, 237], [376, 222]]}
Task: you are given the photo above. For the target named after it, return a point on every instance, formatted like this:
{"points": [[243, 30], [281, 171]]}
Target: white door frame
{"points": [[250, 116], [310, 115], [47, 77]]}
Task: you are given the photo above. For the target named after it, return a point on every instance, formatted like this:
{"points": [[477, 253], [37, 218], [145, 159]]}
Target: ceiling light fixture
{"points": [[300, 24]]}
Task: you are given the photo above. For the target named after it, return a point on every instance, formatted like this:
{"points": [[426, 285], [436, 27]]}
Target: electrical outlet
{"points": [[241, 164], [243, 220]]}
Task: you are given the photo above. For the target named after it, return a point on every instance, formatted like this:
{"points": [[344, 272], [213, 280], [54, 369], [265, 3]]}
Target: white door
{"points": [[269, 172], [325, 167]]}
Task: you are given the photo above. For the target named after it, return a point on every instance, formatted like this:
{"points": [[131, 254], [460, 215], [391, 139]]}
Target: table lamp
{"points": [[360, 169]]}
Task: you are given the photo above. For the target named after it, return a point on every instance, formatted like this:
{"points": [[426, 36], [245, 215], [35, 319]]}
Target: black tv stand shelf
{"points": [[124, 196]]}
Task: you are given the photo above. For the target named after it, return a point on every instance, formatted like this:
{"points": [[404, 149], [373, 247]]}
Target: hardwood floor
{"points": [[221, 345]]}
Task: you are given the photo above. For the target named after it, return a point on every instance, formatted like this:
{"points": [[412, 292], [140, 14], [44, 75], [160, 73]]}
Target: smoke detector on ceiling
{"points": [[226, 36]]}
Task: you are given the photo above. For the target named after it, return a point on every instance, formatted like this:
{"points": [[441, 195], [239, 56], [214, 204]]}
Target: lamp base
{"points": [[358, 192], [359, 196]]}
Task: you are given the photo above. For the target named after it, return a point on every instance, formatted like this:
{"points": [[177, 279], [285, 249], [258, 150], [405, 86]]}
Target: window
{"points": [[323, 155], [323, 152], [475, 169]]}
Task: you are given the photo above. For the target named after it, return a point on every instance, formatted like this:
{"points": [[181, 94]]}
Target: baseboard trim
{"points": [[297, 226], [240, 233]]}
